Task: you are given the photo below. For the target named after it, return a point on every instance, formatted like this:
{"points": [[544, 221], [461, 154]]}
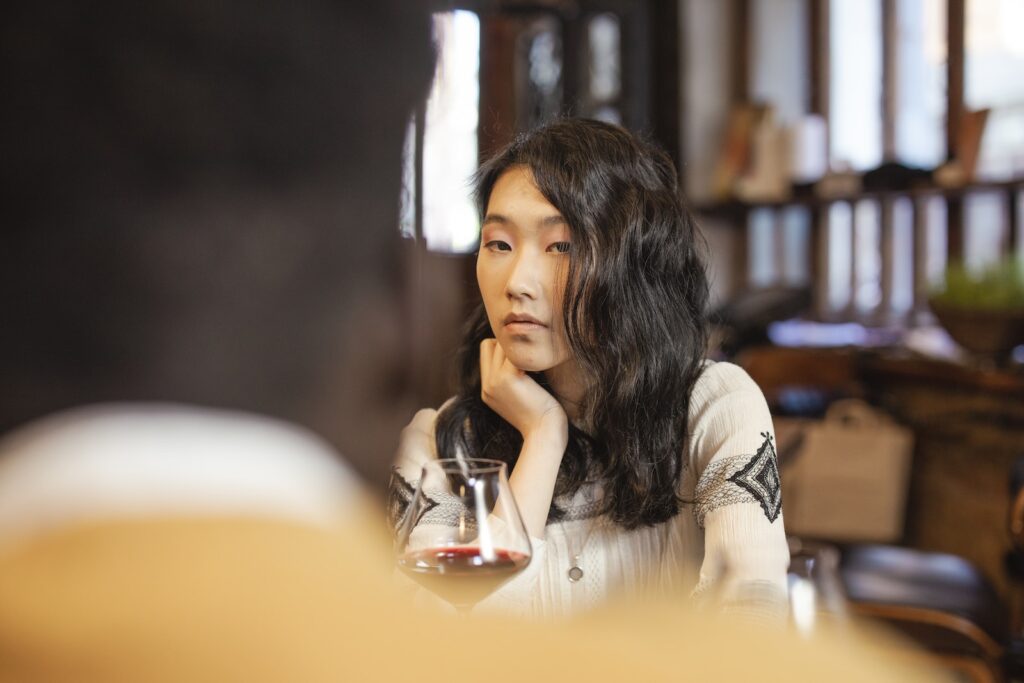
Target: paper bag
{"points": [[848, 478]]}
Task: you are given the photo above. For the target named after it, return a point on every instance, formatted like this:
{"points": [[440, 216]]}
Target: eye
{"points": [[560, 247], [497, 245]]}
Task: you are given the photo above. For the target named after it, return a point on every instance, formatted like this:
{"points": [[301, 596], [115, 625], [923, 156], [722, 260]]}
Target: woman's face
{"points": [[521, 270]]}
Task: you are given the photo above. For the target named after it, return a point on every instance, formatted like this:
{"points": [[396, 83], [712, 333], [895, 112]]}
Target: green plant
{"points": [[997, 288]]}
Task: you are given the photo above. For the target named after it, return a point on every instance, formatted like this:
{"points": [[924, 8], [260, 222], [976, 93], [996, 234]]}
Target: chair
{"points": [[940, 601]]}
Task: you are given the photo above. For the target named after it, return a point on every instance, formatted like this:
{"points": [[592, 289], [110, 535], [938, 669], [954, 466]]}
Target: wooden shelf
{"points": [[853, 370], [995, 381], [737, 207]]}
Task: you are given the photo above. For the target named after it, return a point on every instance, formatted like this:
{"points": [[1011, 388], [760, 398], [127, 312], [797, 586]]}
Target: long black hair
{"points": [[634, 318]]}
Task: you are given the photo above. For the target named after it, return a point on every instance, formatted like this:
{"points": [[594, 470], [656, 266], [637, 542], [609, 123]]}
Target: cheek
{"points": [[485, 273], [484, 282]]}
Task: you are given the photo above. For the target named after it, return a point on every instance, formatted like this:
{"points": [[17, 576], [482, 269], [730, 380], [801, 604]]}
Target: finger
{"points": [[505, 365], [511, 368], [486, 353], [486, 357], [497, 359]]}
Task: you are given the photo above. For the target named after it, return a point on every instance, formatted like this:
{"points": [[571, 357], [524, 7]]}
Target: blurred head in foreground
{"points": [[201, 207]]}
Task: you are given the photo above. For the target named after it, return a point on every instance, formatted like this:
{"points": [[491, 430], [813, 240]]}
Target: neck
{"points": [[567, 385]]}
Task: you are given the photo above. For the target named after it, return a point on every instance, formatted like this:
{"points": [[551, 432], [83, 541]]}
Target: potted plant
{"points": [[983, 311]]}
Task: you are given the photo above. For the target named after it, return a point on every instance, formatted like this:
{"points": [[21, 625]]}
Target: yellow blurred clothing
{"points": [[251, 600], [222, 587]]}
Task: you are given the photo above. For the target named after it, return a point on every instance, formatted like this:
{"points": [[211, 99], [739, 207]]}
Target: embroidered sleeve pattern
{"points": [[400, 494], [741, 479], [433, 507]]}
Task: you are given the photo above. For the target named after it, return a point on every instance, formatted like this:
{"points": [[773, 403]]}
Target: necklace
{"points": [[575, 572], [590, 496]]}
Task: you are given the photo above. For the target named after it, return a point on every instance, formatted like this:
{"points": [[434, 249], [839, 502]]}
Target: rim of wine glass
{"points": [[471, 465]]}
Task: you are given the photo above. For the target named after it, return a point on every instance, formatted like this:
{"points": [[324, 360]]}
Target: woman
{"points": [[636, 464]]}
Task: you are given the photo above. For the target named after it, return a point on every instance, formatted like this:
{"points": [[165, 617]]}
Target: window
{"points": [[540, 83], [891, 77], [993, 64], [920, 82], [531, 80], [855, 100], [445, 154], [778, 57], [604, 68]]}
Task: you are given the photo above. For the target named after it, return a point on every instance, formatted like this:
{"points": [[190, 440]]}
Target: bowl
{"points": [[992, 333]]}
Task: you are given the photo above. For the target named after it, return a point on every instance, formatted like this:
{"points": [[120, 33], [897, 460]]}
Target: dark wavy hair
{"points": [[634, 315]]}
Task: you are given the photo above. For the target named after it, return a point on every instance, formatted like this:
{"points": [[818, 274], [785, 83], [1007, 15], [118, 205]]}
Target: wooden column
{"points": [[921, 284], [851, 305], [818, 62], [954, 229], [666, 69], [779, 255], [818, 100], [890, 79], [498, 110], [956, 25], [740, 79], [1013, 204], [820, 234], [886, 239], [739, 88]]}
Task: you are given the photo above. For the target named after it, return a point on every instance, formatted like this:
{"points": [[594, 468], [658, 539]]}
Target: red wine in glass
{"points": [[461, 535], [462, 575]]}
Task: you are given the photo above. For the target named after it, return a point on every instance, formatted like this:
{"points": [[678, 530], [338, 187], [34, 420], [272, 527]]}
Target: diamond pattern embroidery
{"points": [[760, 477], [400, 495]]}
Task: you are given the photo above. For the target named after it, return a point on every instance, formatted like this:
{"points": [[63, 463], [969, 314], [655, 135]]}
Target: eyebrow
{"points": [[545, 222]]}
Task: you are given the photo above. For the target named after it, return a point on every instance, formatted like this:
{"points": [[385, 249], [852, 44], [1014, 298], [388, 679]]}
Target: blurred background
{"points": [[857, 167]]}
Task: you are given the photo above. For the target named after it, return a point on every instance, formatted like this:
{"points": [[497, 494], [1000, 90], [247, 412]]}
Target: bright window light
{"points": [[450, 221], [856, 83]]}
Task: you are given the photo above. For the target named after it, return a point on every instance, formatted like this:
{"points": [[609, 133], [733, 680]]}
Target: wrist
{"points": [[550, 429]]}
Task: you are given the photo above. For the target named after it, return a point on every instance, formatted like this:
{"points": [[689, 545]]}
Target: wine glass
{"points": [[461, 535], [816, 595]]}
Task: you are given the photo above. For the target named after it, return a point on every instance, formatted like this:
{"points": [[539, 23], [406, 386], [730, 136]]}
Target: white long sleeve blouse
{"points": [[727, 541]]}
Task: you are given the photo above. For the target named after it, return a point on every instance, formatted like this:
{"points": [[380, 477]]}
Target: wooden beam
{"points": [[851, 305], [682, 98], [574, 64], [740, 35], [818, 62], [1013, 206], [817, 103], [666, 70], [890, 78], [497, 124], [955, 27], [920, 251], [954, 229], [817, 256]]}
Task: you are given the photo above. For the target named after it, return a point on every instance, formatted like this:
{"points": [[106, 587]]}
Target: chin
{"points": [[527, 359], [531, 366]]}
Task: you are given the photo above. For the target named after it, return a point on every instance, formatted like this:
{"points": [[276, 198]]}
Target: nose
{"points": [[524, 281]]}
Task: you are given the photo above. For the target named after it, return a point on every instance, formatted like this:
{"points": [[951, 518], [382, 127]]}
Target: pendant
{"points": [[575, 573]]}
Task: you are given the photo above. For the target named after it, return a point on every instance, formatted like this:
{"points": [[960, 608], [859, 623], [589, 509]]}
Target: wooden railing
{"points": [[919, 231]]}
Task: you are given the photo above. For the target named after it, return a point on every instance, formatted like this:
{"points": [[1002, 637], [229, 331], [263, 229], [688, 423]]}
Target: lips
{"points": [[522, 323]]}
